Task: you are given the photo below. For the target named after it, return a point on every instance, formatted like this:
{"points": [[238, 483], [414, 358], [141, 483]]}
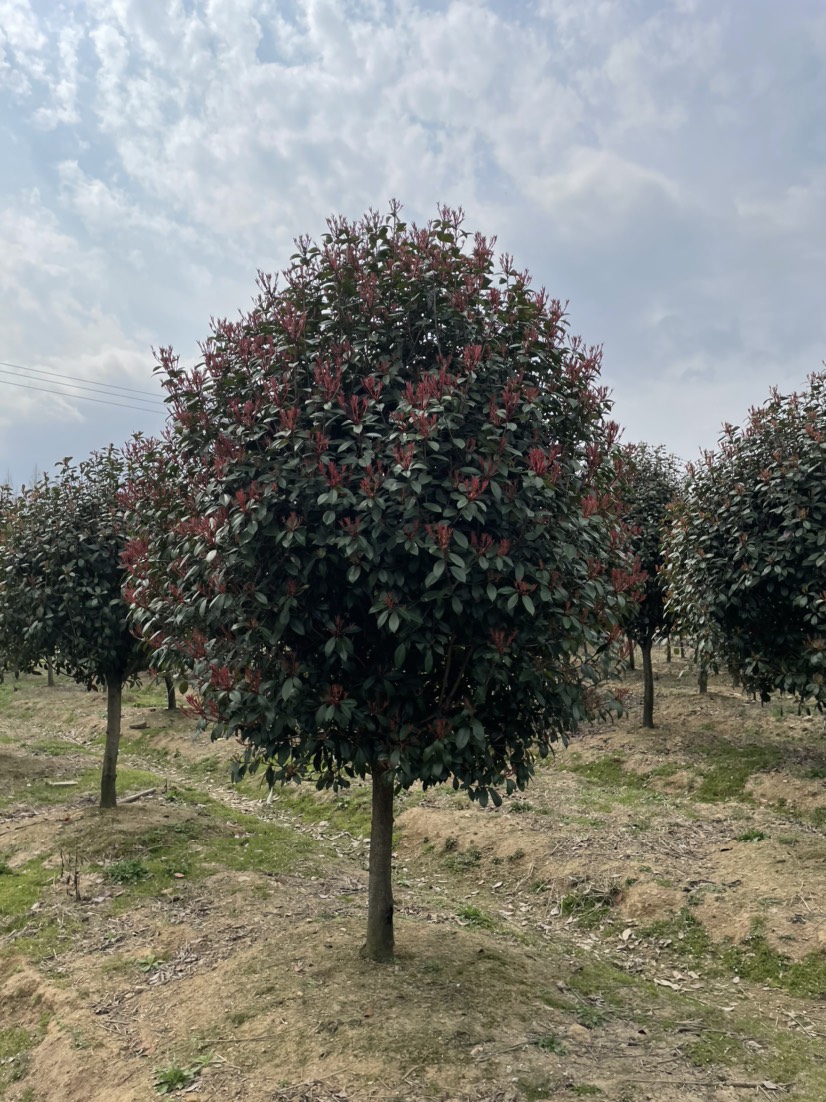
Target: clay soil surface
{"points": [[647, 923]]}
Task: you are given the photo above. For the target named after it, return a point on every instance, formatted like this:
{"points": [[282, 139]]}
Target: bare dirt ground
{"points": [[647, 923]]}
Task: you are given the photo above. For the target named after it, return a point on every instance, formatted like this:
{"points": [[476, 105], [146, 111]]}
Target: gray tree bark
{"points": [[647, 686], [380, 942], [171, 703], [108, 777]]}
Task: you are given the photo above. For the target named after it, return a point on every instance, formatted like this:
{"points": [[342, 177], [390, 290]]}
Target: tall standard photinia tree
{"points": [[400, 557], [61, 581], [746, 561], [651, 484]]}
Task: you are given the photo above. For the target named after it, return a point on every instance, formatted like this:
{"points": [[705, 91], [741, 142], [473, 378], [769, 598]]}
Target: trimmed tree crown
{"points": [[398, 547], [747, 557], [61, 575], [651, 485]]}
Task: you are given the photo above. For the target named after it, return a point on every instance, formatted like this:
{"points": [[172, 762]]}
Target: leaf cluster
{"points": [[61, 575], [399, 546], [651, 486], [747, 557]]}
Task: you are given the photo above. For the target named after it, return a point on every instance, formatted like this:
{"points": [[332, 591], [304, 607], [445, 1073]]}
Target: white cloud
{"points": [[660, 163], [21, 41], [51, 288]]}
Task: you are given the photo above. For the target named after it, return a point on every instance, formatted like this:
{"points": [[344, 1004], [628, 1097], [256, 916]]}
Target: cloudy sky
{"points": [[661, 164]]}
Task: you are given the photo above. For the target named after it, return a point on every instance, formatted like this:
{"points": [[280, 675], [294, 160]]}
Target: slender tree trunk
{"points": [[171, 703], [702, 679], [647, 685], [668, 650], [108, 793], [50, 675], [379, 944], [682, 648], [630, 653]]}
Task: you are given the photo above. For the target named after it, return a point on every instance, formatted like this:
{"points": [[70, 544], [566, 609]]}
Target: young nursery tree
{"points": [[60, 587], [400, 557], [747, 558], [651, 484]]}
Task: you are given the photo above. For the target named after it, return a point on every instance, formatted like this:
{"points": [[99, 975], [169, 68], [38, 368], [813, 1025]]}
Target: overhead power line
{"points": [[77, 379], [71, 388], [84, 397]]}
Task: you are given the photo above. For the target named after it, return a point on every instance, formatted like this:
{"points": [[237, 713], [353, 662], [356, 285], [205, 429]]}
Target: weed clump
{"points": [[473, 916], [127, 871], [589, 904]]}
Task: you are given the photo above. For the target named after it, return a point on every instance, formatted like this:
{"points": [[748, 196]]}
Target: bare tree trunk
{"points": [[379, 944], [630, 653], [50, 674], [668, 650], [108, 792], [682, 648], [647, 685], [171, 703], [702, 679]]}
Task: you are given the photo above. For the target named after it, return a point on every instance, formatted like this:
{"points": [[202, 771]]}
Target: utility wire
{"points": [[77, 379], [148, 403], [83, 397]]}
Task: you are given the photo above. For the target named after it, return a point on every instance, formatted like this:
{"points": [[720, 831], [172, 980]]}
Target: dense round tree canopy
{"points": [[400, 554], [61, 575], [747, 558], [61, 580], [651, 484], [400, 548]]}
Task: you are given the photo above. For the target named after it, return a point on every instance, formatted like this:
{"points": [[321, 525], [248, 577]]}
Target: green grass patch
{"points": [[20, 889], [252, 844], [38, 792], [15, 1045], [589, 904], [145, 696], [348, 810], [608, 771], [127, 871], [551, 1043], [175, 1077], [141, 743], [752, 836], [40, 935], [765, 1053], [198, 840], [684, 934], [726, 768], [591, 1016], [54, 747], [598, 980], [517, 807], [473, 916], [752, 959], [462, 860]]}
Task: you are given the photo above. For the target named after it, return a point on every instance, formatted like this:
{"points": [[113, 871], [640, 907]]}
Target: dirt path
{"points": [[645, 923]]}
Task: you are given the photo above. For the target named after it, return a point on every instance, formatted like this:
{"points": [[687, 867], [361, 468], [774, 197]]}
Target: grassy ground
{"points": [[646, 922]]}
